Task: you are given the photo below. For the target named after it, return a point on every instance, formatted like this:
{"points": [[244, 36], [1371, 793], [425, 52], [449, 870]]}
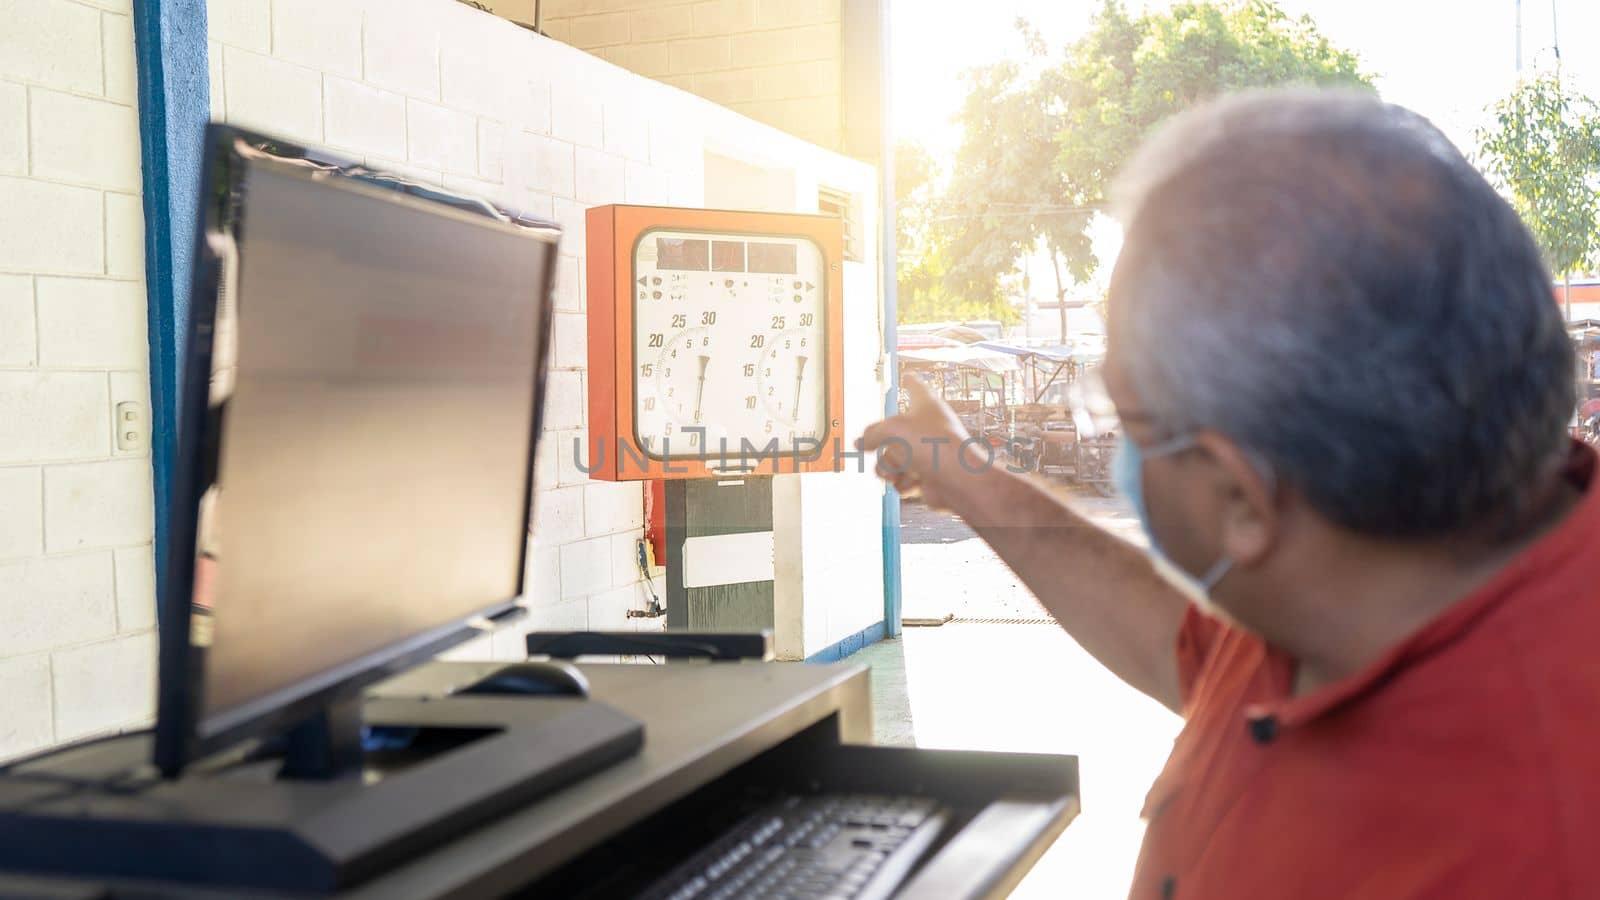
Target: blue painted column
{"points": [[174, 104], [891, 402], [865, 25]]}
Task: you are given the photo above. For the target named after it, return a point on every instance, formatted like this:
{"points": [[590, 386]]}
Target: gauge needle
{"points": [[700, 389], [799, 378]]}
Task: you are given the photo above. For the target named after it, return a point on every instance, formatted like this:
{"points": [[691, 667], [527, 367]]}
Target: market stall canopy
{"points": [[904, 342], [971, 356], [962, 333], [1056, 353]]}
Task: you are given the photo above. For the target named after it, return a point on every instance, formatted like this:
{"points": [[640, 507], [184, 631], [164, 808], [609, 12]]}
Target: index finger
{"points": [[876, 434], [918, 392]]}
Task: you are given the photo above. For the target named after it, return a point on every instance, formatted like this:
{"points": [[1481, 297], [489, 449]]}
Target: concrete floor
{"points": [[947, 570], [1021, 688]]}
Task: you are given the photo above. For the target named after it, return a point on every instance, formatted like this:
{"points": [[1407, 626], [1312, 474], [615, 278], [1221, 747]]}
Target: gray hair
{"points": [[1325, 279]]}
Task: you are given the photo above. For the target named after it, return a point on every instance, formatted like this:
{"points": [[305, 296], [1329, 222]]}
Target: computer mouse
{"points": [[532, 679]]}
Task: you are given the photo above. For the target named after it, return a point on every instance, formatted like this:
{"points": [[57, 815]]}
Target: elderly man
{"points": [[1373, 590]]}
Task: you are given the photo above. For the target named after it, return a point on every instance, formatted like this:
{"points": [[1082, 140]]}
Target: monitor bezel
{"points": [[229, 152]]}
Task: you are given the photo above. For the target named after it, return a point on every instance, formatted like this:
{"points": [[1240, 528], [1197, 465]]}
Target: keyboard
{"points": [[799, 847]]}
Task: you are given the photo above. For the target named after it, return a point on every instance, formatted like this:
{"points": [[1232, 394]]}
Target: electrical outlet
{"points": [[133, 429]]}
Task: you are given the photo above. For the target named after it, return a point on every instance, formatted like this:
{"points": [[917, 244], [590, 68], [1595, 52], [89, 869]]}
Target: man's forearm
{"points": [[1101, 589]]}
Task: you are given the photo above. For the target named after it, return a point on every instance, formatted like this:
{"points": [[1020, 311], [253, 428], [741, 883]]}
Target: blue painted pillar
{"points": [[174, 104], [891, 403], [867, 135]]}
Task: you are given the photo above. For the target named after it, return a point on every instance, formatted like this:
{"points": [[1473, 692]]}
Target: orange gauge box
{"points": [[715, 343]]}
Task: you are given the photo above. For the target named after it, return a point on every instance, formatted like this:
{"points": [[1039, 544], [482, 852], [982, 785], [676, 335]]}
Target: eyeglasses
{"points": [[1093, 412], [1096, 415]]}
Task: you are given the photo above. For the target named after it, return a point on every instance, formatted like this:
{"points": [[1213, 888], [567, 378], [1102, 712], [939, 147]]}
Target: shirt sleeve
{"points": [[1197, 638]]}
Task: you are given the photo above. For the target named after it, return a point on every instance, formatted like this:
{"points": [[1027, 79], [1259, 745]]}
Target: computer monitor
{"points": [[352, 488]]}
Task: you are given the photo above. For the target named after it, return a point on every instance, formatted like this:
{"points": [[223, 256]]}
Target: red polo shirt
{"points": [[1463, 764]]}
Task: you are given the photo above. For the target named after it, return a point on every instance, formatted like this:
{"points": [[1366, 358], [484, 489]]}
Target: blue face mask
{"points": [[1127, 475]]}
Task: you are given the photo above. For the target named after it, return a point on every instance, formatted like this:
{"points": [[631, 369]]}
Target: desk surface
{"points": [[701, 720]]}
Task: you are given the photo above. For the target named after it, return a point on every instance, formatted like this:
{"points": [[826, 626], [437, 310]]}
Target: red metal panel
{"points": [[602, 374]]}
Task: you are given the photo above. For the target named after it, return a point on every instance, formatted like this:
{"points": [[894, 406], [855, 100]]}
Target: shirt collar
{"points": [[1571, 536]]}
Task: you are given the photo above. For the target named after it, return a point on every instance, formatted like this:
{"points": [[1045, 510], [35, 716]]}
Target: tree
{"points": [[1006, 197], [1128, 75], [1544, 149], [1043, 140], [923, 256]]}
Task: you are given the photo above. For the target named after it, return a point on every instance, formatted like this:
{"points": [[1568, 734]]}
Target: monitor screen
{"points": [[363, 479]]}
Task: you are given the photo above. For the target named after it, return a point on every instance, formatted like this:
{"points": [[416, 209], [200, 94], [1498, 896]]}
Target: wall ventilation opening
{"points": [[832, 202]]}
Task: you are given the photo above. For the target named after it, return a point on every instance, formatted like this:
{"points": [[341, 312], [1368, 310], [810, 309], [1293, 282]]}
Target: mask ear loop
{"points": [[1216, 573], [1220, 569]]}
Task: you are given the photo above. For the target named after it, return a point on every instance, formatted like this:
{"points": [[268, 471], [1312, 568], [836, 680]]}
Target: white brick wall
{"points": [[13, 140], [69, 136], [77, 588], [19, 344], [429, 88], [26, 720], [21, 534], [363, 118], [599, 177], [446, 94], [441, 138], [97, 504], [241, 23], [84, 324], [449, 95], [259, 91], [575, 118], [95, 684], [56, 601], [397, 55], [55, 44], [777, 61], [586, 568], [318, 34], [50, 227]]}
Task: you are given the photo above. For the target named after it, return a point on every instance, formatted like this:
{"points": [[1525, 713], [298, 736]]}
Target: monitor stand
{"points": [[310, 822], [327, 744]]}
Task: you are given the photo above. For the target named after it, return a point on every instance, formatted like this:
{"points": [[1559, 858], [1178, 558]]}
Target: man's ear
{"points": [[1247, 496]]}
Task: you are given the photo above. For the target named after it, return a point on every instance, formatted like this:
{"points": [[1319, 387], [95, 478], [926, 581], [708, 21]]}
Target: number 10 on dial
{"points": [[723, 342]]}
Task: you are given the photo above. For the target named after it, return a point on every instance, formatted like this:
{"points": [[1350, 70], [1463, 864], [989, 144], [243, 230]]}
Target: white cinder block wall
{"points": [[450, 95], [77, 582], [776, 61], [432, 89]]}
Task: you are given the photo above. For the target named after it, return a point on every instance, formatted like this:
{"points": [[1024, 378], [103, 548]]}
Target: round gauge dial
{"points": [[681, 375], [783, 370]]}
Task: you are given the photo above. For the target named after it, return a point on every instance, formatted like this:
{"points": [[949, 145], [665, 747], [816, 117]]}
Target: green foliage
{"points": [[923, 257], [1544, 150], [1128, 75], [1005, 196], [1044, 139]]}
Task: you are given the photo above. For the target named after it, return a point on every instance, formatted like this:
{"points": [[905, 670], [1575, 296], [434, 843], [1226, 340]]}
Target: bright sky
{"points": [[1447, 59]]}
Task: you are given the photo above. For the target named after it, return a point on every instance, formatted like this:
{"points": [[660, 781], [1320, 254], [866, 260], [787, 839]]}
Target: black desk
{"points": [[706, 723]]}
